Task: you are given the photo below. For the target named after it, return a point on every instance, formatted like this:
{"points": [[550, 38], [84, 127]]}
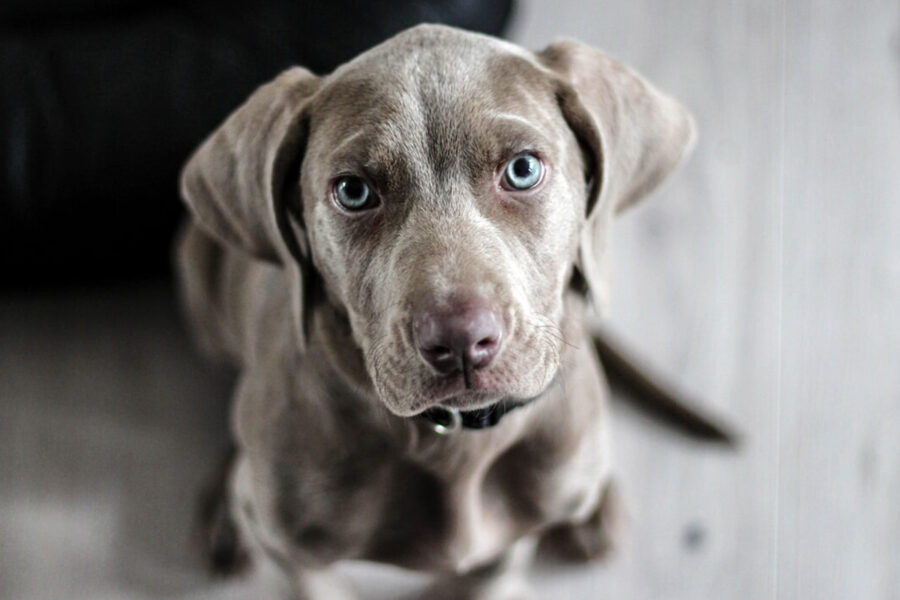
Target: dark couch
{"points": [[101, 102]]}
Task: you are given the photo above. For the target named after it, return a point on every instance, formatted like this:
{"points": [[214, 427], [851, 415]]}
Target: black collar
{"points": [[447, 420]]}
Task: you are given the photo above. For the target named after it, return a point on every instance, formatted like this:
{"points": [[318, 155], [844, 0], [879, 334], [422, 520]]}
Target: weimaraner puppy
{"points": [[398, 256]]}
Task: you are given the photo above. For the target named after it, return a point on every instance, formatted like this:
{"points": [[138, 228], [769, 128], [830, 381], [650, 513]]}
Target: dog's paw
{"points": [[216, 533], [594, 539], [225, 554], [502, 588]]}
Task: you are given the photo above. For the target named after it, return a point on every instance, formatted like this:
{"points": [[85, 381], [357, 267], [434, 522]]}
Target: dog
{"points": [[399, 257]]}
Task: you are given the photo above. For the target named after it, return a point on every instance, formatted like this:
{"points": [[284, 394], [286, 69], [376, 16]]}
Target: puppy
{"points": [[398, 257]]}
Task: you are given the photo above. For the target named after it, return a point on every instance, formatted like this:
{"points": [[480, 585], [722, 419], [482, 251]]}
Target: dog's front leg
{"points": [[503, 579], [301, 584], [594, 538], [288, 579]]}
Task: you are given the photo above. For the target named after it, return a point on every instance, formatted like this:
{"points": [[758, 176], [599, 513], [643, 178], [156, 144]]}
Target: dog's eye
{"points": [[353, 193], [523, 172]]}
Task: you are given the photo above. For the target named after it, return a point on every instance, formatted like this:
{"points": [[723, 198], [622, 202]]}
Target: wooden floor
{"points": [[765, 278]]}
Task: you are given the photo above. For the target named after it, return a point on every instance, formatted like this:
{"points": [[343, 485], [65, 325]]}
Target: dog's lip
{"points": [[471, 400], [477, 399], [451, 392]]}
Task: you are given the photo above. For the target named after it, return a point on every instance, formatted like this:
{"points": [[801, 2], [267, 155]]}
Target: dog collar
{"points": [[445, 421]]}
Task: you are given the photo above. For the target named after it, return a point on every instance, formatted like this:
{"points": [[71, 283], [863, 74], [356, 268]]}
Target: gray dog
{"points": [[398, 257]]}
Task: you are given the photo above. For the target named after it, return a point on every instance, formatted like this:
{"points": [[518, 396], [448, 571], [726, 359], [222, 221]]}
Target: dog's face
{"points": [[443, 197], [449, 185]]}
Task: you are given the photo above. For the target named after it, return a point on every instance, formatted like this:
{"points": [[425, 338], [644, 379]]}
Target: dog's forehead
{"points": [[432, 51], [432, 91]]}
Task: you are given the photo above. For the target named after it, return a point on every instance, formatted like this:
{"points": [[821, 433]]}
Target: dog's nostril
{"points": [[486, 343], [441, 351]]}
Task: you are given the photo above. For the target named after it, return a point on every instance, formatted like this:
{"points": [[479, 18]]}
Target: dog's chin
{"points": [[473, 391], [471, 400]]}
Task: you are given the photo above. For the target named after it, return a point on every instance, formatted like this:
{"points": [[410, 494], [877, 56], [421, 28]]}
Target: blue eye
{"points": [[523, 172], [353, 193]]}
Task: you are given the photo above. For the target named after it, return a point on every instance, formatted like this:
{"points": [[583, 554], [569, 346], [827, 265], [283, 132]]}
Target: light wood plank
{"points": [[839, 517], [696, 288]]}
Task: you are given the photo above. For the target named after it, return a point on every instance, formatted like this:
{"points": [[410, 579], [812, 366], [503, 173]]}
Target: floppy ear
{"points": [[635, 136], [237, 182]]}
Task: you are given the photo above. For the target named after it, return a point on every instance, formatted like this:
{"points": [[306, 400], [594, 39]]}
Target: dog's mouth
{"points": [[463, 391], [472, 389]]}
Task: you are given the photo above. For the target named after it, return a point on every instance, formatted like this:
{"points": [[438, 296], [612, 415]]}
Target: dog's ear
{"points": [[634, 136], [243, 181], [234, 184]]}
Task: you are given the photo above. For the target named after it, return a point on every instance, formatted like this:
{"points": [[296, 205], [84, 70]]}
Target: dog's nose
{"points": [[463, 338]]}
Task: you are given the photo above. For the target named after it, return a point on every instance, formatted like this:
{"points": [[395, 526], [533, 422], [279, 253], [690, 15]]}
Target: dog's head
{"points": [[446, 187]]}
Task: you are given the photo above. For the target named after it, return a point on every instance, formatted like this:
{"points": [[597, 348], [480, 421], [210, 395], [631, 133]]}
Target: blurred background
{"points": [[764, 278]]}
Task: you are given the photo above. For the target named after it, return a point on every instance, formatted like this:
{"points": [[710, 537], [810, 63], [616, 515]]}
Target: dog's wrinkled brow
{"points": [[370, 151], [348, 146], [515, 133]]}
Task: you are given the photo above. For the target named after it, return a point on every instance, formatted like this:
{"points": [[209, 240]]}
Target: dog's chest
{"points": [[453, 517], [432, 503]]}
